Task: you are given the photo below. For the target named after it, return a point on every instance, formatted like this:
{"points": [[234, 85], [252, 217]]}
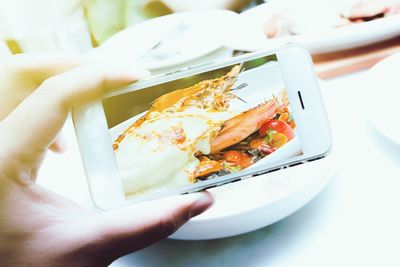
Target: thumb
{"points": [[132, 228]]}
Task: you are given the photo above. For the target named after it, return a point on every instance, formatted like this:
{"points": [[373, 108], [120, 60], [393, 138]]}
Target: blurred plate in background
{"points": [[170, 40], [320, 36]]}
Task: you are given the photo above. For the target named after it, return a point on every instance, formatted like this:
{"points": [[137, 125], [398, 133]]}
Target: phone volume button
{"points": [[209, 187], [296, 164], [274, 170]]}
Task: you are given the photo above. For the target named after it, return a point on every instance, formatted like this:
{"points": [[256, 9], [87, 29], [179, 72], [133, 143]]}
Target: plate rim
{"points": [[313, 40]]}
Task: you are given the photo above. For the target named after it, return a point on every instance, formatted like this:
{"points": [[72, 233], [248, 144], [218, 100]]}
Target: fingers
{"points": [[39, 67], [60, 144], [33, 125], [137, 226], [25, 72]]}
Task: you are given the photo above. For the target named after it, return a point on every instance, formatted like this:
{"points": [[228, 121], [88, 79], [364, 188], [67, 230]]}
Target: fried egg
{"points": [[160, 153], [159, 150]]}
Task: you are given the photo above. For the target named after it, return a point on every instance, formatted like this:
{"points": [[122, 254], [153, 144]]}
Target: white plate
{"points": [[254, 203], [251, 204], [250, 30], [382, 85], [204, 34]]}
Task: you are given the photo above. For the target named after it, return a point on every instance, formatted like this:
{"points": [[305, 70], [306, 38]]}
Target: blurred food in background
{"points": [[289, 17], [138, 32], [367, 10], [44, 25], [120, 14], [185, 5], [124, 13], [77, 25]]}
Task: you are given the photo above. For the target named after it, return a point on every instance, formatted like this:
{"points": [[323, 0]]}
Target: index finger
{"points": [[39, 67], [22, 74], [34, 124]]}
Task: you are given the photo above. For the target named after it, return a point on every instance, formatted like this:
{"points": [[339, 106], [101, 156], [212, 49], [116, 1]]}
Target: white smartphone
{"points": [[202, 127]]}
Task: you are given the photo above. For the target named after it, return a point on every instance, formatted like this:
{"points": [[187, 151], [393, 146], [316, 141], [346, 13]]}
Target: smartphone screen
{"points": [[201, 127]]}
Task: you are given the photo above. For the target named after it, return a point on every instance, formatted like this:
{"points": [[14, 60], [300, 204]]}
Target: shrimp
{"points": [[212, 95], [243, 125]]}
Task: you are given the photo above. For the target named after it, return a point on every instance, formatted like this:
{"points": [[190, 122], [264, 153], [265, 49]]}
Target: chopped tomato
{"points": [[278, 126], [246, 161], [207, 167], [238, 158], [279, 140], [266, 149], [284, 117], [256, 143]]}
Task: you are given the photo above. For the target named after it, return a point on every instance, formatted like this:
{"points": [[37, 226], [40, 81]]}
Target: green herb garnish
{"points": [[268, 137]]}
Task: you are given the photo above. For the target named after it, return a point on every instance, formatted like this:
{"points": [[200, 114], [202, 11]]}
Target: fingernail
{"points": [[62, 141], [204, 202], [60, 144]]}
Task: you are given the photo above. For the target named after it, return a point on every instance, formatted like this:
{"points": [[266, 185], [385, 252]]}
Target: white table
{"points": [[355, 221]]}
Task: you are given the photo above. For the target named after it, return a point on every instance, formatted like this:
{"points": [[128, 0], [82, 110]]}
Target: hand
{"points": [[24, 73], [39, 227]]}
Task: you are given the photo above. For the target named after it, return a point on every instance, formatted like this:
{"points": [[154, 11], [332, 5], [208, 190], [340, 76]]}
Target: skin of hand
{"points": [[39, 227]]}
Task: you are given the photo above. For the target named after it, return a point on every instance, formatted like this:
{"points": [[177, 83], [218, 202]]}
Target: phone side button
{"points": [[208, 187], [314, 159], [296, 164], [233, 181]]}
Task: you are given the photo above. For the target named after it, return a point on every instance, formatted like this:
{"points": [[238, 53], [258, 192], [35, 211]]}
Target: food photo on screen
{"points": [[201, 127]]}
